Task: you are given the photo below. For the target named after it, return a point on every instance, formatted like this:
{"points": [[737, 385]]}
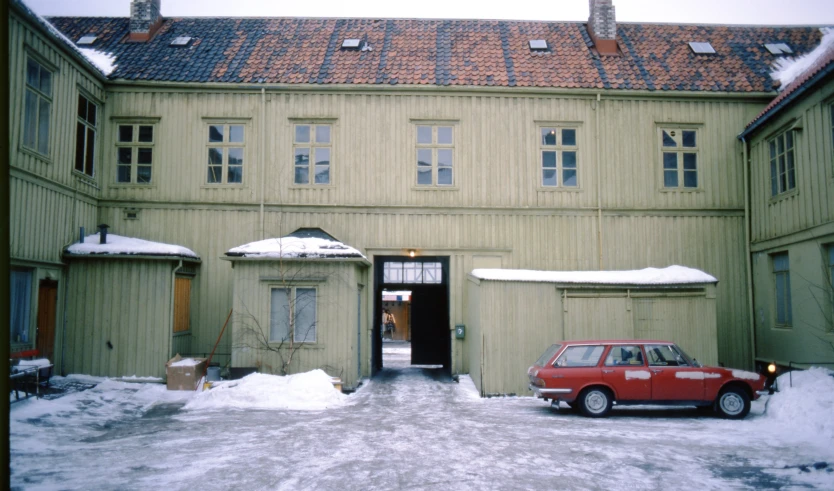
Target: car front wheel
{"points": [[733, 403], [595, 402]]}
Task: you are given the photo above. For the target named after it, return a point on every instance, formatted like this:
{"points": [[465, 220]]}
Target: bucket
{"points": [[213, 374]]}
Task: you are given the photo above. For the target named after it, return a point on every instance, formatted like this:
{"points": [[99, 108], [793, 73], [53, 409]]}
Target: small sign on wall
{"points": [[460, 331]]}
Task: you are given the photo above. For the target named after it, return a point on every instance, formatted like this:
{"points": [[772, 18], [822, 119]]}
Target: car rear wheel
{"points": [[595, 402], [733, 403]]}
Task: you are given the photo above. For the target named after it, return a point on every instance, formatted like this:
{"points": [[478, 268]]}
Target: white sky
{"points": [[780, 12]]}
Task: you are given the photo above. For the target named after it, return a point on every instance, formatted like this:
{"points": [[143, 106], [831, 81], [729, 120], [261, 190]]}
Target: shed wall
{"points": [[126, 303], [335, 349]]}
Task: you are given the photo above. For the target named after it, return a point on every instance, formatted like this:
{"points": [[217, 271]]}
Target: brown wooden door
{"points": [[182, 304], [47, 306]]}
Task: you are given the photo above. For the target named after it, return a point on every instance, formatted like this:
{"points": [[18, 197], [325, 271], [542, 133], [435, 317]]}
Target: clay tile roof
{"points": [[474, 53], [823, 65]]}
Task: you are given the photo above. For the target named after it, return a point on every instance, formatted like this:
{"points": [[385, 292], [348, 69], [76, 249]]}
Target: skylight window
{"points": [[538, 45], [351, 43], [181, 41], [87, 39], [778, 48], [702, 48]]}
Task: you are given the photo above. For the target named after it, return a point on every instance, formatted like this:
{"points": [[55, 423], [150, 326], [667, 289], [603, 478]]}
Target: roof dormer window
{"points": [[181, 41], [702, 48], [538, 45], [351, 43], [778, 49], [87, 40]]}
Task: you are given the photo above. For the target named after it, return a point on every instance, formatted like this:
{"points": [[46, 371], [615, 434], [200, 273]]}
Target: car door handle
{"points": [[608, 371], [656, 371]]}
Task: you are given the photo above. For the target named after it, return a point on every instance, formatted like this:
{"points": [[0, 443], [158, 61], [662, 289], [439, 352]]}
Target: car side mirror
{"points": [[697, 363]]}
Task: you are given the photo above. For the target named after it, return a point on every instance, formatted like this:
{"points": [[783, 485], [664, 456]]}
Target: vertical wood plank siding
{"points": [[813, 202], [514, 322], [49, 198], [336, 314], [123, 302]]}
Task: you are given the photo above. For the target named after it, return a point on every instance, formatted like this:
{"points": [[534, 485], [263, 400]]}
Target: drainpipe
{"points": [[749, 259], [599, 178], [263, 158]]}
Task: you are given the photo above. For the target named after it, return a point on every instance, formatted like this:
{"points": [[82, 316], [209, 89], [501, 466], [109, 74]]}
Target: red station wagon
{"points": [[592, 375]]}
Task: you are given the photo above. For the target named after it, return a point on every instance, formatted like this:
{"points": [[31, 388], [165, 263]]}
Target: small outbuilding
{"points": [[298, 306], [128, 305], [514, 315]]}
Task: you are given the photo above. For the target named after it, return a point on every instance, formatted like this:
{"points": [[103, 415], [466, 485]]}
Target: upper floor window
{"points": [[311, 152], [37, 107], [85, 136], [21, 305], [225, 153], [782, 279], [134, 147], [782, 163], [679, 149], [558, 149], [435, 148]]}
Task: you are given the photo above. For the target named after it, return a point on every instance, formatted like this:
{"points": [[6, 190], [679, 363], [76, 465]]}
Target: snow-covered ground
{"points": [[409, 427]]}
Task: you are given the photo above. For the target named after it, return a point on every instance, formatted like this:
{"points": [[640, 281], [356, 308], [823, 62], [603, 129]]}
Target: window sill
{"points": [[33, 153], [783, 196], [182, 333], [559, 189], [681, 190], [779, 327], [84, 178], [223, 186], [302, 346], [434, 188], [322, 187], [132, 185]]}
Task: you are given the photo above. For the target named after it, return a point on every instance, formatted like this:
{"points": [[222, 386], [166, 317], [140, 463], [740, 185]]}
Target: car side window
{"points": [[664, 356], [624, 356], [580, 356]]}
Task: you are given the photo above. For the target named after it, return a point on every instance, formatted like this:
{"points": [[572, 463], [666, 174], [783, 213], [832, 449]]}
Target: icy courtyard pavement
{"points": [[408, 428]]}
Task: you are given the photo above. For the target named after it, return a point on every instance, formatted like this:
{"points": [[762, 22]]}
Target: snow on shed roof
{"points": [[291, 247], [672, 275], [117, 245]]}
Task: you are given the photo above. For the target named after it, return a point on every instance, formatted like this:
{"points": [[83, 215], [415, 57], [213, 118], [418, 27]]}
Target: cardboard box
{"points": [[184, 373]]}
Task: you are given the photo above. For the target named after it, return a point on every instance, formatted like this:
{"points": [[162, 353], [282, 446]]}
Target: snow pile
{"points": [[103, 61], [672, 275], [116, 244], [40, 362], [304, 391], [293, 247], [805, 408], [789, 69], [186, 362]]}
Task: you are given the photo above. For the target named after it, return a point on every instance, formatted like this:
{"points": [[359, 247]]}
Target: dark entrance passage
{"points": [[427, 279]]}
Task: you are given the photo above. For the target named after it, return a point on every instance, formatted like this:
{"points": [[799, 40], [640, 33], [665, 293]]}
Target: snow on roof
{"points": [[672, 275], [118, 245], [102, 61], [295, 247], [789, 69]]}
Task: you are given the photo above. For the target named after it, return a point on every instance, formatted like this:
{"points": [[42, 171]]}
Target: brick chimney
{"points": [[602, 26], [145, 19]]}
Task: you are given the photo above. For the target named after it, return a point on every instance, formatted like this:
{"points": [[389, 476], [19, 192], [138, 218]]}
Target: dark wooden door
{"points": [[430, 336], [47, 308]]}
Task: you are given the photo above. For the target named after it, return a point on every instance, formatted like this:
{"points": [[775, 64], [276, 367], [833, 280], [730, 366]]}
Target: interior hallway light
{"points": [[411, 252]]}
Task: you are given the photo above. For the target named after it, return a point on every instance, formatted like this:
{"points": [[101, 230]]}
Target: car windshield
{"points": [[547, 355]]}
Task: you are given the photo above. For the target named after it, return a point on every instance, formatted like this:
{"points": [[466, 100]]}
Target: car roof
{"points": [[616, 341]]}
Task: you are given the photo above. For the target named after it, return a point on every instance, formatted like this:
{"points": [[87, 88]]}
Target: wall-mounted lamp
{"points": [[411, 253]]}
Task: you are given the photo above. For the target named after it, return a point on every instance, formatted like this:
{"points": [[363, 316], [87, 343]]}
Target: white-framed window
{"points": [[679, 156], [435, 155], [135, 153], [412, 272], [85, 136], [293, 314], [225, 150], [782, 163], [21, 306], [558, 156], [37, 110], [312, 148], [782, 281]]}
